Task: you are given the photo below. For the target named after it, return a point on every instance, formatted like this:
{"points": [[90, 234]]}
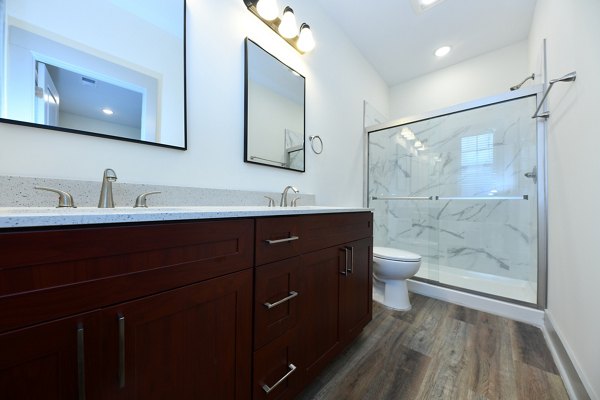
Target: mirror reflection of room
{"points": [[274, 111], [87, 76]]}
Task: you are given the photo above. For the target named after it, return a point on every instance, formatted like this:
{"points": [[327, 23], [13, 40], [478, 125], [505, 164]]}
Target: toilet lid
{"points": [[395, 254]]}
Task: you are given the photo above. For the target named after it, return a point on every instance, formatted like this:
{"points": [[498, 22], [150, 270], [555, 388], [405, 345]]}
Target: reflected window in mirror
{"points": [[274, 117], [67, 69]]}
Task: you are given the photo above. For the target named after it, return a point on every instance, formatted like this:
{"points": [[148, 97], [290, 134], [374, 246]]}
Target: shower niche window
{"points": [[461, 199]]}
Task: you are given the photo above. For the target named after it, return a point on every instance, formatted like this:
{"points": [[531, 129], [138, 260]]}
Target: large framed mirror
{"points": [[108, 68], [274, 103]]}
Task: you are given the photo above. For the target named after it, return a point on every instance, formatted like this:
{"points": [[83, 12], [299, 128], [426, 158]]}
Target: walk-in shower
{"points": [[465, 189]]}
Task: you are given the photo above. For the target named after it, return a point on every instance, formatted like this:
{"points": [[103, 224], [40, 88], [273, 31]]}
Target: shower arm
{"points": [[570, 77]]}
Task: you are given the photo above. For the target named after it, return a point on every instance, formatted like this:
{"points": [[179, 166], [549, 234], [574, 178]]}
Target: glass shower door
{"points": [[478, 166]]}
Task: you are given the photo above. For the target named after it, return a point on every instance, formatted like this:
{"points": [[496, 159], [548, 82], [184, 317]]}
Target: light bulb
{"points": [[267, 9], [442, 51], [306, 41], [288, 27]]}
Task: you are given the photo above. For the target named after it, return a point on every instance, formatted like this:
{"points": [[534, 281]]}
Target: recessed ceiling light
{"points": [[442, 51], [107, 111], [423, 5]]}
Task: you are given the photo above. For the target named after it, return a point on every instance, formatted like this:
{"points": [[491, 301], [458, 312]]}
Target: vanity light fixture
{"points": [[442, 51], [107, 111], [267, 9], [286, 26]]}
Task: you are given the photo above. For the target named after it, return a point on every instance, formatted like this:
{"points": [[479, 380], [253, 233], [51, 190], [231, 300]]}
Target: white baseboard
{"points": [[492, 306], [578, 388]]}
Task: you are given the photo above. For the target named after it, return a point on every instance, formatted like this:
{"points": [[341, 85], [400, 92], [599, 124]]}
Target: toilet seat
{"points": [[388, 253]]}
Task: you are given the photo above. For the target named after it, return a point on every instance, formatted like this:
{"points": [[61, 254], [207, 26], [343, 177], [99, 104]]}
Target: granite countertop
{"points": [[21, 217]]}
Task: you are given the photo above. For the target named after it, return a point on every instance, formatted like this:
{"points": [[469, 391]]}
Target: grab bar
{"points": [[400, 198], [570, 77]]}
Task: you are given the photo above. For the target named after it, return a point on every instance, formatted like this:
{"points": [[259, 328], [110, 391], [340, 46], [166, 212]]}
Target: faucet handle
{"points": [[65, 199], [140, 201], [271, 201], [294, 202]]}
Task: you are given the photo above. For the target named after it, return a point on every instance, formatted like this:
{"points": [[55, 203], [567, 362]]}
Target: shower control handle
{"points": [[532, 174]]}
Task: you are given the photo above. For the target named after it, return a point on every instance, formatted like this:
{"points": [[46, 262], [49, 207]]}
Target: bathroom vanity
{"points": [[249, 305]]}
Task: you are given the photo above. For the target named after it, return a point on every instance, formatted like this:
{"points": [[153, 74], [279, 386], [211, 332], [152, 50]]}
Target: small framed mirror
{"points": [[107, 68], [274, 111]]}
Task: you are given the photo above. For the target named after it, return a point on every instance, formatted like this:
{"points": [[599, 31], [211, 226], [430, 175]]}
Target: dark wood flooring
{"points": [[440, 350]]}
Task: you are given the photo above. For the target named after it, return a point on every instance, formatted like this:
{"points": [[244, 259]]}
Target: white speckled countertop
{"points": [[20, 217]]}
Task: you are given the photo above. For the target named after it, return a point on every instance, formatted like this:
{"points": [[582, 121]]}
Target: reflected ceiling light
{"points": [[442, 51], [408, 134], [267, 9], [107, 111], [418, 144], [423, 5], [285, 26], [288, 27], [306, 41]]}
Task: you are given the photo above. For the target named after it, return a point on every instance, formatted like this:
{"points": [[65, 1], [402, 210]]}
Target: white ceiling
{"points": [[399, 42]]}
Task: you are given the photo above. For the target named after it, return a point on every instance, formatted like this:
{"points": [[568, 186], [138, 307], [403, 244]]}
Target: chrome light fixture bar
{"points": [[286, 27]]}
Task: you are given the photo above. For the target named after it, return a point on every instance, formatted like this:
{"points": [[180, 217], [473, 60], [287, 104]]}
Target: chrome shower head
{"points": [[570, 77], [532, 77]]}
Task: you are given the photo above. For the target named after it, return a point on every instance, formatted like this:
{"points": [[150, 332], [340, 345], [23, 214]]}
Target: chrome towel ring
{"points": [[318, 147]]}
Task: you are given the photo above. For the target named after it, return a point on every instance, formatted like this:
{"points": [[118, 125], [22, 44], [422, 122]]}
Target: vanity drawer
{"points": [[278, 369], [275, 300], [322, 231], [277, 239]]}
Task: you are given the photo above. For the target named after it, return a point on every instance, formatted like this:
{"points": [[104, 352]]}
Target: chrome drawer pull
{"points": [[80, 363], [290, 239], [268, 389], [291, 296], [121, 320]]}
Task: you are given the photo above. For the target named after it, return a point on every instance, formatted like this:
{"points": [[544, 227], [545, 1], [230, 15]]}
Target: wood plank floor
{"points": [[440, 350]]}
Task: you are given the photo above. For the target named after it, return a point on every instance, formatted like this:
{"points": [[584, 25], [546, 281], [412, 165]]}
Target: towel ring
{"points": [[318, 148]]}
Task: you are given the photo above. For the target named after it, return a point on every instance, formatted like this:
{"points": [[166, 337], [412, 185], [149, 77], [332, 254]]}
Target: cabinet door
{"points": [[189, 343], [54, 360], [319, 303], [356, 288]]}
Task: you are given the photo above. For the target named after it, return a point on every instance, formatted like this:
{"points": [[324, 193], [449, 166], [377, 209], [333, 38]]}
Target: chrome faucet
{"points": [[106, 195], [284, 201]]}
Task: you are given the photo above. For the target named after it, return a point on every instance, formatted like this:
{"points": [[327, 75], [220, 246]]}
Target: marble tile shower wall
{"points": [[480, 153]]}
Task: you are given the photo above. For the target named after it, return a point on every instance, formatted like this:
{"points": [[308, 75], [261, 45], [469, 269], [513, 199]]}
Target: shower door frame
{"points": [[542, 204]]}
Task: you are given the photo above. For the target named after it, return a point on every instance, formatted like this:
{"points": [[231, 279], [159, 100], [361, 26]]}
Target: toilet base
{"points": [[396, 295]]}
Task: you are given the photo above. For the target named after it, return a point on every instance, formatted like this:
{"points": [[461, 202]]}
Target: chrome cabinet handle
{"points": [[345, 271], [291, 296], [351, 269], [290, 239], [121, 320], [268, 389], [80, 363]]}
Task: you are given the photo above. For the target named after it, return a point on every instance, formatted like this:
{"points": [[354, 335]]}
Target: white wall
{"points": [[338, 80], [75, 121], [489, 74], [572, 31]]}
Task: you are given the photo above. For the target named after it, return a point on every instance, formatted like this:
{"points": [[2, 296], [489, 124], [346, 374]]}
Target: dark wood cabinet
{"points": [[326, 259], [212, 309], [55, 360], [144, 311], [188, 343]]}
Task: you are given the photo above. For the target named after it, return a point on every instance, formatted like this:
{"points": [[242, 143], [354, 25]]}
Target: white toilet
{"points": [[393, 267]]}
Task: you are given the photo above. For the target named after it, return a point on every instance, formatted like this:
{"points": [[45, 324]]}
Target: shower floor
{"points": [[496, 285]]}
